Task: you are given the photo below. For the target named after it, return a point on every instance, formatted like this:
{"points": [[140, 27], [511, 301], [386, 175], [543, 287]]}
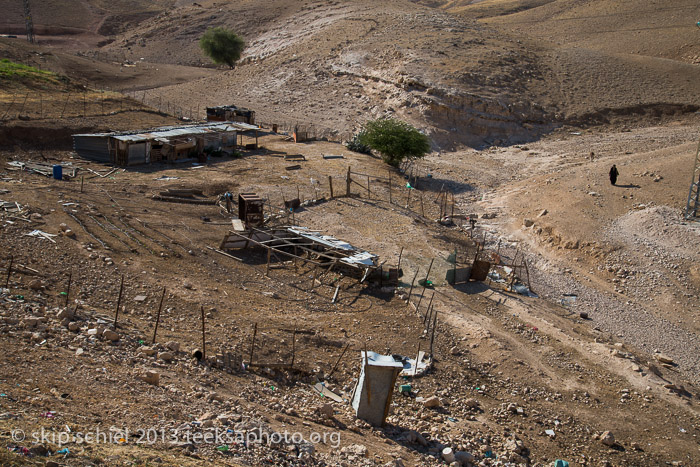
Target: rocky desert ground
{"points": [[528, 103]]}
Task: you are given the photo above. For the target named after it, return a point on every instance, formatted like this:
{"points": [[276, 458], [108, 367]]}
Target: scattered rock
{"points": [[151, 377], [166, 356], [664, 359], [465, 458], [528, 222], [173, 345], [140, 298], [544, 212], [110, 335], [327, 410], [431, 402], [149, 352], [607, 438], [355, 450], [64, 313]]}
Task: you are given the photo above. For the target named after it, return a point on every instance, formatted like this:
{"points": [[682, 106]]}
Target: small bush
{"points": [[396, 140], [222, 45]]}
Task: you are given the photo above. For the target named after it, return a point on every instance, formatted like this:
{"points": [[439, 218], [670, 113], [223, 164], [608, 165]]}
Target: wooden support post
{"points": [[415, 369], [398, 266], [369, 389], [252, 344], [430, 303], [429, 314], [369, 193], [429, 268], [119, 301], [432, 335], [410, 291], [330, 184], [335, 295], [527, 270], [453, 205], [338, 361], [294, 342], [512, 278], [347, 181], [422, 211], [70, 277], [313, 283], [420, 300], [160, 307], [408, 198], [204, 336], [82, 180], [9, 271], [269, 255]]}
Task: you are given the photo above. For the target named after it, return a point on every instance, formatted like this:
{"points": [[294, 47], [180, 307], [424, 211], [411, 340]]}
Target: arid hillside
{"points": [[476, 74]]}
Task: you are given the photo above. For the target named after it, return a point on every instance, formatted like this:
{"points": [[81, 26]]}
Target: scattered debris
{"points": [[41, 234]]}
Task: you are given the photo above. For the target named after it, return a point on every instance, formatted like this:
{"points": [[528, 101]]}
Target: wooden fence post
{"points": [[160, 307], [338, 361], [70, 277], [330, 184], [432, 335], [410, 291], [9, 271], [204, 337], [119, 301], [347, 181]]}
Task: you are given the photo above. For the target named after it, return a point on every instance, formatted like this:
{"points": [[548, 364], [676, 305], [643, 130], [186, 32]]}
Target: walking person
{"points": [[613, 175]]}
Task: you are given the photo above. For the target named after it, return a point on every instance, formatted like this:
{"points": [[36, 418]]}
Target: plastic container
{"points": [[58, 172]]}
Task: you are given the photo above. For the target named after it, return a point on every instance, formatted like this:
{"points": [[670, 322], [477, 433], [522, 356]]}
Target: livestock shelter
{"points": [[230, 113], [171, 144]]}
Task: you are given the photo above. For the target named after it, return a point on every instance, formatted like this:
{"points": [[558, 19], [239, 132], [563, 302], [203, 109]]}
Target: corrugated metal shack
{"points": [[174, 143], [230, 113]]}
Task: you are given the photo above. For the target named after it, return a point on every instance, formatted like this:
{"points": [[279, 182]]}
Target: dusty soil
{"points": [[516, 95]]}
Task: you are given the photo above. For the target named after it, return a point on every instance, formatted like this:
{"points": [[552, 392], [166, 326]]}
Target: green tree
{"points": [[395, 140], [222, 45]]}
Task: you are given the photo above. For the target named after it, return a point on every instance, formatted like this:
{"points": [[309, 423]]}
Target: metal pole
{"points": [[160, 307], [429, 268], [338, 361], [9, 271], [432, 335], [119, 301], [430, 303], [204, 338], [410, 291]]}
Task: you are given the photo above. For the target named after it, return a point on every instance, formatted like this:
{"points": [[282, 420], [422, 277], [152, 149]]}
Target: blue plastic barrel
{"points": [[58, 172]]}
